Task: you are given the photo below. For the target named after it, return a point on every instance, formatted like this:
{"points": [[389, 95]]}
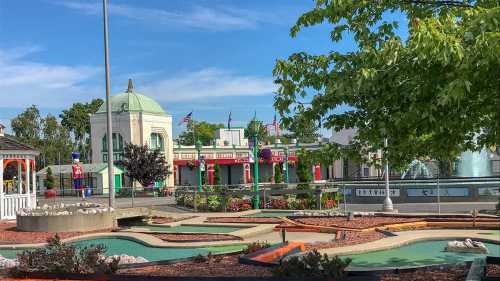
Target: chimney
{"points": [[130, 88], [2, 130]]}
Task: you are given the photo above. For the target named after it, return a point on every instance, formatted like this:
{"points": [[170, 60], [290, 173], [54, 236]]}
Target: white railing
{"points": [[11, 203]]}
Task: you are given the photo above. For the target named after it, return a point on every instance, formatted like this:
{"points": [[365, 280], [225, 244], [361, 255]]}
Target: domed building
{"points": [[136, 119]]}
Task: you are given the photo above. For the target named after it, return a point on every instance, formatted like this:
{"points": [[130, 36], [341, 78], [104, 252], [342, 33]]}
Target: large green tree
{"points": [[304, 130], [55, 142], [76, 120], [203, 131], [44, 134], [256, 126], [27, 126], [434, 93]]}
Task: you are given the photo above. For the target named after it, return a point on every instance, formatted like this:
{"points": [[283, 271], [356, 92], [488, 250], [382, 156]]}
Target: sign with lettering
{"points": [[488, 191], [369, 192], [445, 191]]}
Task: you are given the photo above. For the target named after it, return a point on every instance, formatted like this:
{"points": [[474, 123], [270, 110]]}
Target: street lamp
{"points": [[200, 164], [387, 207], [256, 199], [285, 164]]}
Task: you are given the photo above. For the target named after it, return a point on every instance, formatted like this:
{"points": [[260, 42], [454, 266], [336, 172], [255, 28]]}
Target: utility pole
{"points": [[109, 129]]}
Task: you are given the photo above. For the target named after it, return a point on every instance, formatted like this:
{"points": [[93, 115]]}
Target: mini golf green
{"points": [[117, 246], [417, 254]]}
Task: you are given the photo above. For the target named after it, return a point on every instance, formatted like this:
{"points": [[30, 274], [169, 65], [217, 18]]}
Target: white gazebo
{"points": [[17, 176]]}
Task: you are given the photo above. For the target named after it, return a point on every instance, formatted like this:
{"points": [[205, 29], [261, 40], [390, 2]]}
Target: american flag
{"points": [[186, 118]]}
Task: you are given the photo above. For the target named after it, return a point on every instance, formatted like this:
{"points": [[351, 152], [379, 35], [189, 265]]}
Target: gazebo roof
{"points": [[10, 143]]}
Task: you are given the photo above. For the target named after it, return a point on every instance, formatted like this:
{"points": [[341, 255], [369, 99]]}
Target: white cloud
{"points": [[23, 82], [200, 17], [208, 83]]}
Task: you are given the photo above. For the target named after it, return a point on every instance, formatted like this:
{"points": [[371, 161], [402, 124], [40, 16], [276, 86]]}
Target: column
{"points": [[1, 189], [33, 182], [317, 172], [211, 171], [19, 177], [27, 182]]}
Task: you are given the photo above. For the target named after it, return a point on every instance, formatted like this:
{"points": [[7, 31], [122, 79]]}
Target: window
{"points": [[117, 143], [117, 147], [366, 171], [156, 142]]}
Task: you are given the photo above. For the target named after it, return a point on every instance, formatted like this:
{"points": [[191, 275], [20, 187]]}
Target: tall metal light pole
{"points": [[256, 199], [109, 130], [387, 201], [285, 164], [200, 164]]}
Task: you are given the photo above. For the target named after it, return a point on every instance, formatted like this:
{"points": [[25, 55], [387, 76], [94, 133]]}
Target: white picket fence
{"points": [[11, 203]]}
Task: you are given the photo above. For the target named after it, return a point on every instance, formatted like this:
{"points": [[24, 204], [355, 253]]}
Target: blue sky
{"points": [[209, 56]]}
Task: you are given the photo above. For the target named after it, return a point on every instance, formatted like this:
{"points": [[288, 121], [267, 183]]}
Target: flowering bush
{"points": [[279, 204], [292, 203], [330, 204], [245, 207], [214, 203]]}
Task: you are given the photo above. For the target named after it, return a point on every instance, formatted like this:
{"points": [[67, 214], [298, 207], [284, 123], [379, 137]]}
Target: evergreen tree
{"points": [[49, 179], [217, 179], [278, 178]]}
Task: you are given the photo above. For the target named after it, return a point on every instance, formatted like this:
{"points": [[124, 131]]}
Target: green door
{"points": [[118, 183]]}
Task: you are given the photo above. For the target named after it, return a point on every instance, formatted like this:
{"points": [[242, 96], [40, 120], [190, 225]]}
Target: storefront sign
{"points": [[488, 191], [369, 192], [445, 191]]}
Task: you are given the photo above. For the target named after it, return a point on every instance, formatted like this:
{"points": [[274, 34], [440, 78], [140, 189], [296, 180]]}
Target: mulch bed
{"points": [[195, 237], [244, 220], [454, 273], [227, 266], [493, 270], [356, 223], [163, 220], [352, 238], [10, 235]]}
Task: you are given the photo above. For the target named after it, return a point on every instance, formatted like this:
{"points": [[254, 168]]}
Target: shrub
{"points": [[292, 203], [279, 204], [256, 246], [214, 203], [313, 266], [49, 179], [199, 258], [57, 257]]}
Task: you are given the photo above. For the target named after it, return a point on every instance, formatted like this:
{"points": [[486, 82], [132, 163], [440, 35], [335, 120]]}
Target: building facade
{"points": [[136, 119]]}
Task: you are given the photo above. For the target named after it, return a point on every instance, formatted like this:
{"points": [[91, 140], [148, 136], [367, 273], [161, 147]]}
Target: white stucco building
{"points": [[136, 119]]}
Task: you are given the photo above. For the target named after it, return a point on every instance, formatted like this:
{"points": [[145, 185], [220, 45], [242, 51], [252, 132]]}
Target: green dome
{"points": [[131, 101]]}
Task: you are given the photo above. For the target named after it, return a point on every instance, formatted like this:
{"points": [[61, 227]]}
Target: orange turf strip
{"points": [[274, 255]]}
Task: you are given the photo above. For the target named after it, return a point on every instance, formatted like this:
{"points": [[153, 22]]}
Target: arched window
{"points": [[156, 142], [117, 147]]}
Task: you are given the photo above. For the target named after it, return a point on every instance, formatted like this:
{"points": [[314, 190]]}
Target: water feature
{"points": [[417, 169], [474, 164], [417, 254], [117, 246]]}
